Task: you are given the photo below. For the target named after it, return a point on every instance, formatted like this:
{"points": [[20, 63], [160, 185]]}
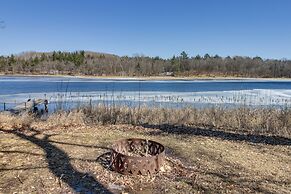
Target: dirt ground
{"points": [[75, 160]]}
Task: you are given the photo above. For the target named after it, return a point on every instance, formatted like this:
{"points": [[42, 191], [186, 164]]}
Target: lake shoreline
{"points": [[157, 78]]}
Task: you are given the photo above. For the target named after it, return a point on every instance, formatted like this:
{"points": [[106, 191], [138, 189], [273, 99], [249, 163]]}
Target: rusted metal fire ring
{"points": [[150, 160]]}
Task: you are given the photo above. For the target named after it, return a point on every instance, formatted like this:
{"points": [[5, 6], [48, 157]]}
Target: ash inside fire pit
{"points": [[137, 156]]}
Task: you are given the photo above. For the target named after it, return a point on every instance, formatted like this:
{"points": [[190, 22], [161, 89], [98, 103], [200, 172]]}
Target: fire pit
{"points": [[137, 156]]}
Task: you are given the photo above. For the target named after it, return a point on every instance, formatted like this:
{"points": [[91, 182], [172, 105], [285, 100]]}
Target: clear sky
{"points": [[150, 27]]}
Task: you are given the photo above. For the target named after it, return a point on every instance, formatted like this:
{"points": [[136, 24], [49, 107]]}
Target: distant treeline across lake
{"points": [[99, 64]]}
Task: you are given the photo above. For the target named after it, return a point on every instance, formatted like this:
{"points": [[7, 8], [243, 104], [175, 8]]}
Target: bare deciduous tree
{"points": [[90, 63]]}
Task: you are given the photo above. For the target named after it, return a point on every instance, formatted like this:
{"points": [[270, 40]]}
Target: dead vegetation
{"points": [[267, 121], [264, 121], [10, 121], [69, 152]]}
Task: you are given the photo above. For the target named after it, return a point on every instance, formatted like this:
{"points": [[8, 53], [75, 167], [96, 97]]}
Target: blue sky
{"points": [[150, 27]]}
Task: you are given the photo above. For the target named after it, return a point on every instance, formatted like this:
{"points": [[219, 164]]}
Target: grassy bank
{"points": [[208, 150], [264, 121], [260, 121]]}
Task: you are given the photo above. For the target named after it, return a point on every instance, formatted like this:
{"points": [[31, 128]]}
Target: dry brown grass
{"points": [[208, 151], [243, 120], [255, 121], [49, 161], [9, 121], [64, 119]]}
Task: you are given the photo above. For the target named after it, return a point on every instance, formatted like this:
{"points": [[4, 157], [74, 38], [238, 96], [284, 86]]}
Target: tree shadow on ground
{"points": [[251, 138], [59, 164]]}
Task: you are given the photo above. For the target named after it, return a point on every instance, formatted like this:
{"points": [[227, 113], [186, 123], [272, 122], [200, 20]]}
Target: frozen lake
{"points": [[69, 91]]}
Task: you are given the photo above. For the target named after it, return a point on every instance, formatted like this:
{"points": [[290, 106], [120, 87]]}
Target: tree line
{"points": [[99, 64]]}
